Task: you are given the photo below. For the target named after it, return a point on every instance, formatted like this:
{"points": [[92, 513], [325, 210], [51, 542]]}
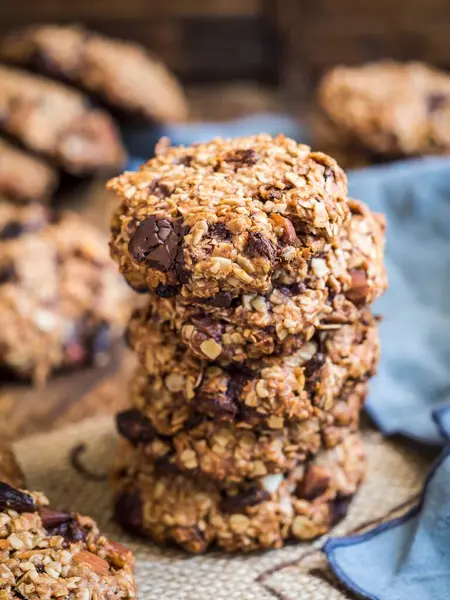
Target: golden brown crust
{"points": [[226, 216], [122, 73], [303, 504]]}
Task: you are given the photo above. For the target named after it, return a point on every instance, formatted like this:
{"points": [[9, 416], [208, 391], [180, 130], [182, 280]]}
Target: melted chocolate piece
{"points": [[156, 241], [135, 427], [250, 497], [243, 158], [259, 244], [436, 101], [63, 524], [11, 230], [128, 510], [160, 190], [14, 499], [219, 231]]}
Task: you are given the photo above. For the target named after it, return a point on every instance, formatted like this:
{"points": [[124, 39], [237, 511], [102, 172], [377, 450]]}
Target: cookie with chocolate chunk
{"points": [[329, 291], [391, 109], [232, 451], [62, 303], [123, 74], [226, 217], [57, 122], [10, 472], [168, 506], [48, 554], [273, 389], [23, 177]]}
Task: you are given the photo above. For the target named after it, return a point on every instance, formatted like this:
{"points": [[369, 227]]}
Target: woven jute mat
{"points": [[72, 465]]}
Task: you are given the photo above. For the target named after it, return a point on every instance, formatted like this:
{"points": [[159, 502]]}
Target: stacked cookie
{"points": [[255, 345]]}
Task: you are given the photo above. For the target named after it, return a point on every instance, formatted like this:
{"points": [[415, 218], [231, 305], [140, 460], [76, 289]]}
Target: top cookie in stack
{"points": [[255, 346]]}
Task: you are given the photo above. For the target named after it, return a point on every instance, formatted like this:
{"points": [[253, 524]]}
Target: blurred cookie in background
{"points": [[123, 74], [391, 109], [24, 177], [10, 472], [62, 302], [55, 121]]}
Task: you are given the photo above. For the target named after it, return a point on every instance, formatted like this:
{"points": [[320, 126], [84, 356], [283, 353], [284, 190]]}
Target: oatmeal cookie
{"points": [[10, 472], [271, 390], [47, 554], [392, 109], [330, 291], [261, 514], [61, 300], [232, 451], [124, 74], [56, 121], [225, 217], [24, 177]]}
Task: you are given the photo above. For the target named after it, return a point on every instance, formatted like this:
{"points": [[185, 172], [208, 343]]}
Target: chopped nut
{"points": [[211, 348], [239, 523], [93, 561]]}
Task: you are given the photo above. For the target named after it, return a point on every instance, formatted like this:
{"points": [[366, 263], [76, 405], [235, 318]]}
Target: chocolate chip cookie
{"points": [[392, 109], [48, 554], [124, 74], [226, 217], [235, 451], [62, 303], [328, 292], [10, 472], [168, 506], [57, 121], [273, 389], [23, 177]]}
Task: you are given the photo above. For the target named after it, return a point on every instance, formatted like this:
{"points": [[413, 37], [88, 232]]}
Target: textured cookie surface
{"points": [[391, 108], [262, 514], [231, 452], [329, 291], [57, 121], [24, 177], [48, 554], [61, 300], [225, 217], [124, 74], [273, 389]]}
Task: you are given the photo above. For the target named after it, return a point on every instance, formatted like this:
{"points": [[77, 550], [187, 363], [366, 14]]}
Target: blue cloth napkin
{"points": [[407, 558]]}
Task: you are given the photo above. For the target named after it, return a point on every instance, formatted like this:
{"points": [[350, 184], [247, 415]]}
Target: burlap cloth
{"points": [[71, 466]]}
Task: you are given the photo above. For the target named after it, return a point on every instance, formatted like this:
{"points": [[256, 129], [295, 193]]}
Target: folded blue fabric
{"points": [[407, 558]]}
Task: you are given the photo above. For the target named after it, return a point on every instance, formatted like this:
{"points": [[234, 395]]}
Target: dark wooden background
{"points": [[271, 41]]}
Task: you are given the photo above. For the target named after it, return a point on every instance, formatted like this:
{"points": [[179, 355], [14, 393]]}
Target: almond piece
{"points": [[289, 235], [94, 562], [359, 289]]}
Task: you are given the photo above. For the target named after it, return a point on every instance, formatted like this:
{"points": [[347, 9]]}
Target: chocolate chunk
{"points": [[219, 231], [88, 340], [166, 290], [135, 427], [220, 300], [64, 524], [158, 189], [128, 510], [14, 499], [7, 273], [339, 508], [156, 241], [208, 326], [436, 102], [314, 365], [217, 405], [184, 160], [259, 244], [270, 193], [250, 497], [243, 158], [11, 230]]}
